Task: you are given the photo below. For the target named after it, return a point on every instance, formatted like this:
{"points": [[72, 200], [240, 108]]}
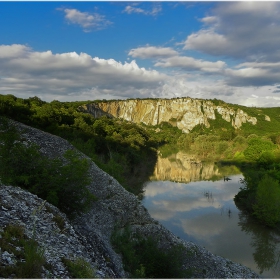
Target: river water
{"points": [[195, 202]]}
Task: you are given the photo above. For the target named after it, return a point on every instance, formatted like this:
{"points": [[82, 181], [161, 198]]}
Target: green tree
{"points": [[256, 146], [267, 206], [61, 182]]}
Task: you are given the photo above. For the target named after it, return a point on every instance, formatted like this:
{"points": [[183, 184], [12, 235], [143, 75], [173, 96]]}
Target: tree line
{"points": [[122, 149]]}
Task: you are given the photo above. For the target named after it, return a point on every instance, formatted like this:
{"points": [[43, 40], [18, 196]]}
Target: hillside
{"points": [[189, 113], [89, 234]]}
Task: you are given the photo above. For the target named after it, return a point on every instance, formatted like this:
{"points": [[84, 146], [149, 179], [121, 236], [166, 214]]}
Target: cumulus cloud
{"points": [[253, 74], [130, 9], [9, 51], [89, 21], [72, 76], [22, 69], [240, 29], [167, 57], [189, 63], [208, 41], [152, 52], [248, 31]]}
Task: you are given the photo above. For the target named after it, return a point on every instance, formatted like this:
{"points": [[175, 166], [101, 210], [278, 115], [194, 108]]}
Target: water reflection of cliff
{"points": [[182, 167]]}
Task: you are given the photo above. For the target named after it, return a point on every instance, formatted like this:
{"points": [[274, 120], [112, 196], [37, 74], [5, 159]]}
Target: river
{"points": [[195, 202]]}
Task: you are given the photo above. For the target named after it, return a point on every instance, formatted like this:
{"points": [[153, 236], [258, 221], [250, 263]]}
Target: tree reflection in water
{"points": [[265, 242]]}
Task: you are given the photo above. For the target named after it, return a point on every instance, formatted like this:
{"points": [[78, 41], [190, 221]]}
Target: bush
{"points": [[61, 184], [221, 147], [267, 207], [79, 268], [240, 140], [267, 157], [144, 259], [256, 146]]}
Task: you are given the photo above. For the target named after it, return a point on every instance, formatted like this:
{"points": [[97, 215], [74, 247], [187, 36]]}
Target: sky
{"points": [[70, 51]]}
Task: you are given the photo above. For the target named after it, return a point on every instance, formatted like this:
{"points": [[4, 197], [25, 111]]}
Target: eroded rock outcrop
{"points": [[185, 113]]}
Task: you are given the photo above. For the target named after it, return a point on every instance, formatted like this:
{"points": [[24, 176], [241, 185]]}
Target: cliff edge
{"points": [[185, 113]]}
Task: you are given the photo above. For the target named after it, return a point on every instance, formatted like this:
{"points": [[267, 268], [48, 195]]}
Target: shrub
{"points": [[79, 268], [267, 207], [256, 146], [61, 184], [144, 259], [221, 147], [240, 140]]}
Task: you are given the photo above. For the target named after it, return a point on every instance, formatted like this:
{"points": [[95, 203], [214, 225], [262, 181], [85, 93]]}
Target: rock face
{"points": [[89, 234], [38, 218], [267, 118], [185, 113]]}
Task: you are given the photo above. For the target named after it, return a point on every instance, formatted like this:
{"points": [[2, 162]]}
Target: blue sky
{"points": [[116, 50]]}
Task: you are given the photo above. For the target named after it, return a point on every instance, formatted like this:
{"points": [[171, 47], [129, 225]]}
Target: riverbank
{"points": [[115, 207]]}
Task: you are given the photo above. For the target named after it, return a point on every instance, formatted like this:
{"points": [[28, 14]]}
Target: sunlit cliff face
{"points": [[185, 113]]}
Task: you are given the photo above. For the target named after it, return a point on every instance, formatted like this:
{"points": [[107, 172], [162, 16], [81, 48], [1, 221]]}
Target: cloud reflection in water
{"points": [[208, 220]]}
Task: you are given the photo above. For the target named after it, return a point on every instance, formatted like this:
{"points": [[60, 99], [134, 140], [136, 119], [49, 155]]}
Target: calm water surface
{"points": [[204, 212]]}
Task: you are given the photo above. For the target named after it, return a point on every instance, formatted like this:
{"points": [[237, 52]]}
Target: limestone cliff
{"points": [[185, 113]]}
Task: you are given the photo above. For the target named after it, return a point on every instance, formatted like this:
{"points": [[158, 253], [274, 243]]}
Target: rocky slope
{"points": [[88, 236], [185, 113]]}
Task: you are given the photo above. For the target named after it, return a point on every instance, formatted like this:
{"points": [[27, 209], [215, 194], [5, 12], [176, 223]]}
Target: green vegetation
{"points": [[267, 206], [79, 268], [258, 147], [121, 148], [143, 258], [15, 242], [61, 184], [28, 257], [128, 151], [260, 194]]}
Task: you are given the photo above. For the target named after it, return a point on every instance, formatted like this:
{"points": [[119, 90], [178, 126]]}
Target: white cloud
{"points": [[152, 52], [10, 51], [241, 30], [209, 20], [130, 9], [207, 41], [72, 73], [189, 63], [252, 76], [89, 21], [72, 76], [167, 57]]}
